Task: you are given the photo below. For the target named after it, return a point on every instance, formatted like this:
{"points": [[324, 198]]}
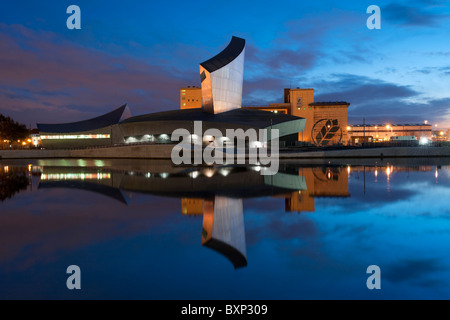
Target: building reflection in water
{"points": [[223, 228], [216, 194]]}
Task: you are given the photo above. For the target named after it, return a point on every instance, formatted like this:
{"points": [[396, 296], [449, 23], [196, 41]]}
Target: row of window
{"points": [[189, 100], [75, 136]]}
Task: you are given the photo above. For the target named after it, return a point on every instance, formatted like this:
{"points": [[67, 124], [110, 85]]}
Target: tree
{"points": [[11, 182], [12, 130]]}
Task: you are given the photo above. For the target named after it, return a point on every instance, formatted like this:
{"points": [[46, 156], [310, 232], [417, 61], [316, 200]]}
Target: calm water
{"points": [[146, 230]]}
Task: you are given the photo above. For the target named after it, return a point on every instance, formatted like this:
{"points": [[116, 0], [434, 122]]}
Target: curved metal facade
{"points": [[222, 78], [103, 121], [88, 133]]}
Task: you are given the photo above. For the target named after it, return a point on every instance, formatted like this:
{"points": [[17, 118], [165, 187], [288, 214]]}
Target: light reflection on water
{"points": [[148, 230]]}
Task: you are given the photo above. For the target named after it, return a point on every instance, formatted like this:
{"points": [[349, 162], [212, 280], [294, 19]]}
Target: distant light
{"points": [[388, 126], [256, 168], [209, 172], [194, 174], [435, 125], [349, 128], [441, 133], [224, 171], [148, 175], [423, 141], [426, 122], [256, 144], [164, 175], [436, 174]]}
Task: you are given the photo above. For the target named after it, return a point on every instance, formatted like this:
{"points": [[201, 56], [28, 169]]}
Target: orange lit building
{"points": [[326, 122], [191, 206], [190, 98], [320, 182]]}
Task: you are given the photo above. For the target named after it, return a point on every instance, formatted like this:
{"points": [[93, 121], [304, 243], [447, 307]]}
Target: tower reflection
{"points": [[223, 228]]}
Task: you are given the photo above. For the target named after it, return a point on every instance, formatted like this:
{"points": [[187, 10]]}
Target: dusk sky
{"points": [[142, 52]]}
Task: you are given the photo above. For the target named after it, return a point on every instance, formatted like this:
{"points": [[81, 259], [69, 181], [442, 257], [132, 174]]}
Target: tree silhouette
{"points": [[12, 130], [12, 181]]}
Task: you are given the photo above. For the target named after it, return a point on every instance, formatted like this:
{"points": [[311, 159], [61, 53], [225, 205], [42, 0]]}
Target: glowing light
{"points": [[148, 175], [426, 122], [194, 174], [75, 136], [164, 175], [376, 172], [209, 172], [29, 167], [441, 133], [349, 128], [423, 141], [6, 168], [74, 176], [348, 170], [225, 171], [256, 144], [256, 168], [99, 163], [436, 174]]}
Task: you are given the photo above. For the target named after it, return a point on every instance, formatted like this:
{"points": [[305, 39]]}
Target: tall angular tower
{"points": [[222, 77]]}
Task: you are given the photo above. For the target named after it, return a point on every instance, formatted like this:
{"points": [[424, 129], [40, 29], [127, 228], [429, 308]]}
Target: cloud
{"points": [[380, 101], [413, 271], [411, 16], [54, 80]]}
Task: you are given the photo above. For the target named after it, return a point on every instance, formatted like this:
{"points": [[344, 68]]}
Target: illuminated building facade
{"points": [[220, 99], [320, 182], [97, 131], [388, 132], [190, 98], [222, 77], [326, 122]]}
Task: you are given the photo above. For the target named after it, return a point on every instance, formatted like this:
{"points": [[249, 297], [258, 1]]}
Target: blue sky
{"points": [[142, 52]]}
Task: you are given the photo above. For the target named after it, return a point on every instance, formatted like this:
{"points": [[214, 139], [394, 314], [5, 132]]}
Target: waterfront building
{"points": [[221, 97], [326, 122], [369, 133]]}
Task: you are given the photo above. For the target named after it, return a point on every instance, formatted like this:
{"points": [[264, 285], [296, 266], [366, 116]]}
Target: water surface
{"points": [[147, 230]]}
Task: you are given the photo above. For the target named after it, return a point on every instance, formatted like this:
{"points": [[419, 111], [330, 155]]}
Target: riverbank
{"points": [[164, 152]]}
